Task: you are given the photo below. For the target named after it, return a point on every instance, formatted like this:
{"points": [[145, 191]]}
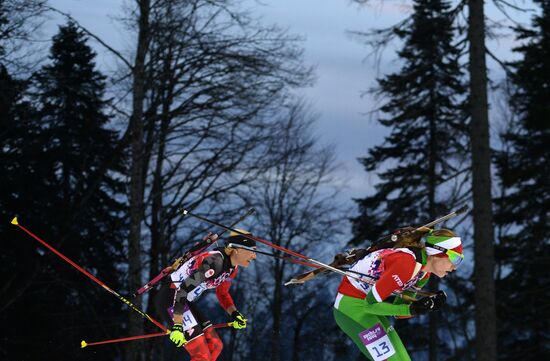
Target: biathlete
{"points": [[361, 309], [212, 269]]}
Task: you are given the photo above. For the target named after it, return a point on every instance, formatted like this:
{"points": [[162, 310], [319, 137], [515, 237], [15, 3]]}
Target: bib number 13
{"points": [[381, 349], [377, 342]]}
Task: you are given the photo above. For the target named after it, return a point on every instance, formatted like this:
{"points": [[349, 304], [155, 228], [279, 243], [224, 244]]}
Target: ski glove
{"points": [[426, 304], [176, 336], [422, 306], [238, 320], [439, 298]]}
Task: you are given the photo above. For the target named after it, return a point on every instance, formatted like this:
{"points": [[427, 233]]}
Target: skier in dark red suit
{"points": [[209, 270]]}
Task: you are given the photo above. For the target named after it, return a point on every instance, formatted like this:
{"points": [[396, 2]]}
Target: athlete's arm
{"points": [[224, 297], [410, 294], [398, 269]]}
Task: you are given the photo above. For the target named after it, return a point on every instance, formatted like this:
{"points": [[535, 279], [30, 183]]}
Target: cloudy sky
{"points": [[341, 68]]}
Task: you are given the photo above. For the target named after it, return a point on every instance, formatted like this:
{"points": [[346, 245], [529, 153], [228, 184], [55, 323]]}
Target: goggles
{"points": [[455, 257], [234, 245]]}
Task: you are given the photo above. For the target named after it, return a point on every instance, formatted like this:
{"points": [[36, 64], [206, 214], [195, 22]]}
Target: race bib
{"points": [[377, 342], [188, 320]]}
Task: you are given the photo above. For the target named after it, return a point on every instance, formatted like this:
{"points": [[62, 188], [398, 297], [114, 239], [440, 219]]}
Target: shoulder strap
{"points": [[420, 257]]}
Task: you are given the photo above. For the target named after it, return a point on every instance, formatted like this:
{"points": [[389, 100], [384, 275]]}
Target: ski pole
{"points": [[108, 289], [85, 344], [364, 278], [150, 335], [242, 218], [315, 264]]}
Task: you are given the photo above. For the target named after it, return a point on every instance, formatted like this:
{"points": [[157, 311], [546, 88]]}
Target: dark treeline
{"points": [[523, 205], [202, 115], [54, 137]]}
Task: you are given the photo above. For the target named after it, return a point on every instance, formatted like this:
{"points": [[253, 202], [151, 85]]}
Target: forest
{"points": [[204, 113]]}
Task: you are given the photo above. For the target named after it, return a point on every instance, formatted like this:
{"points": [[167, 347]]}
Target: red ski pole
{"points": [[150, 335], [107, 288], [84, 343]]}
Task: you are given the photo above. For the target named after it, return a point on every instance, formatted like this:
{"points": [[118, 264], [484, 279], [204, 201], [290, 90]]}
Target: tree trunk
{"points": [[158, 229], [297, 340], [276, 312], [136, 176], [432, 184], [486, 344]]}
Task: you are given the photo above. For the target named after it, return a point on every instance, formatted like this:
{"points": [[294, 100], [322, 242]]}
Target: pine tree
{"points": [[70, 96], [524, 209], [26, 191], [68, 142], [426, 118], [424, 153]]}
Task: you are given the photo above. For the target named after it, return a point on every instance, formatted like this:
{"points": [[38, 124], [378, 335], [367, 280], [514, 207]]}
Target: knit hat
{"points": [[240, 241]]}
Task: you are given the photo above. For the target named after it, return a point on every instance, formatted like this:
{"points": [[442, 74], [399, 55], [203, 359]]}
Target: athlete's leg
{"points": [[400, 350], [351, 317], [198, 349], [206, 331], [352, 328], [215, 344]]}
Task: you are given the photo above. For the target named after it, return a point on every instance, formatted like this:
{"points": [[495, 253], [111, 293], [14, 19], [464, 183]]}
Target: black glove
{"points": [[421, 306], [426, 304], [440, 298]]}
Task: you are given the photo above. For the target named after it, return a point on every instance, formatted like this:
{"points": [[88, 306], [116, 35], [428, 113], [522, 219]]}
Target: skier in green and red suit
{"points": [[361, 308]]}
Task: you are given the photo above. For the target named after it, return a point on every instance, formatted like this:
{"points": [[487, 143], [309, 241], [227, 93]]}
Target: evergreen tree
{"points": [[427, 123], [424, 153], [51, 158], [26, 191], [73, 119], [524, 209]]}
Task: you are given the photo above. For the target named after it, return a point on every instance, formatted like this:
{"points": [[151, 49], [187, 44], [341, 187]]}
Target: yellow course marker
{"points": [[14, 221], [83, 344]]}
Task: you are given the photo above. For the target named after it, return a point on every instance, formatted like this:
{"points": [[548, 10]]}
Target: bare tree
{"points": [[215, 81], [206, 83], [19, 20], [137, 165], [297, 209]]}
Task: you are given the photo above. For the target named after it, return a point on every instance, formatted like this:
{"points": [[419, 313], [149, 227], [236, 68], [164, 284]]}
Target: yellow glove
{"points": [[176, 336], [238, 320]]}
